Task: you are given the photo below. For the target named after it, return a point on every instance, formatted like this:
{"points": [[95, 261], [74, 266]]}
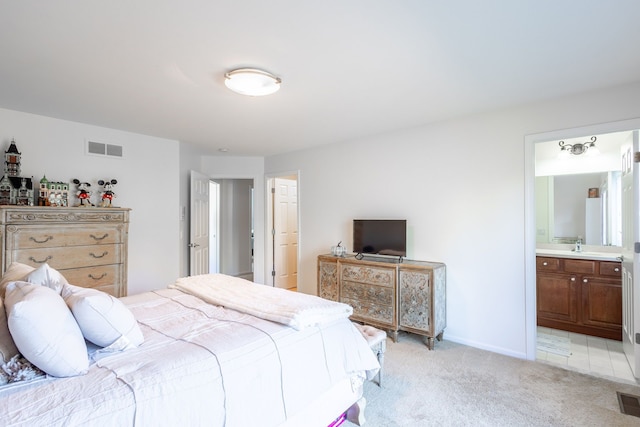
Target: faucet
{"points": [[578, 247]]}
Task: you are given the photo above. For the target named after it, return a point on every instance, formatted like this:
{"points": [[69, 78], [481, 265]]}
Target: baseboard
{"points": [[483, 346]]}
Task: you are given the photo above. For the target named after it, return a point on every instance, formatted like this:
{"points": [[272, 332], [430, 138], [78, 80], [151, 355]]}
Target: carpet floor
{"points": [[457, 385]]}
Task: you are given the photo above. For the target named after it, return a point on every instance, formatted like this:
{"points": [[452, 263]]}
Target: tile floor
{"points": [[593, 355]]}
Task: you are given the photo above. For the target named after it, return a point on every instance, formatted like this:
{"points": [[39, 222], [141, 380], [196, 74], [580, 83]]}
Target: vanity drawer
{"points": [[580, 266], [610, 268], [547, 264]]}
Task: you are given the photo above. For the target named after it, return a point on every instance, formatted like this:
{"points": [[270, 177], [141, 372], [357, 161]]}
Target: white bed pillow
{"points": [[47, 276], [15, 272], [8, 348], [44, 330], [103, 318]]}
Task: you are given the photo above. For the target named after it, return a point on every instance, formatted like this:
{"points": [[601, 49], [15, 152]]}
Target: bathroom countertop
{"points": [[567, 253]]}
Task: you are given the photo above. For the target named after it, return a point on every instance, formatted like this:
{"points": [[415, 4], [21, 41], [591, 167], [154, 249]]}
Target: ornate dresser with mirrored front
{"points": [[408, 296]]}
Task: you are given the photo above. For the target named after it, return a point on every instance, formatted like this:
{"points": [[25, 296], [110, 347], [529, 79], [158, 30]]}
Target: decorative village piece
{"points": [[83, 194], [14, 189], [53, 193], [107, 193], [17, 190]]}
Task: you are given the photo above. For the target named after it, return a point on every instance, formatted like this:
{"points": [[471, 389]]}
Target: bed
{"points": [[202, 362]]}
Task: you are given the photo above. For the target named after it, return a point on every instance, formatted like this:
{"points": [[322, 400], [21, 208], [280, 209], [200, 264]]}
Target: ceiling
{"points": [[349, 69]]}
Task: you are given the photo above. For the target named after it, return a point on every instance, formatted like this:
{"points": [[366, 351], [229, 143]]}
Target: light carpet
{"points": [[554, 344], [457, 385]]}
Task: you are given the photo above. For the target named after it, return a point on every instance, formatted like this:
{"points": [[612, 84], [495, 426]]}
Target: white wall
{"points": [[147, 183], [461, 186]]}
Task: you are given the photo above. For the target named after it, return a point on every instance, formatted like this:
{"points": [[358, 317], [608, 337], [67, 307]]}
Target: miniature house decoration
{"points": [[14, 189], [53, 193]]}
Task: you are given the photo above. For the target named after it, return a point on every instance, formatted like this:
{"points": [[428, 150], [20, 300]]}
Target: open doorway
{"points": [[233, 216], [222, 226], [282, 235], [630, 304]]}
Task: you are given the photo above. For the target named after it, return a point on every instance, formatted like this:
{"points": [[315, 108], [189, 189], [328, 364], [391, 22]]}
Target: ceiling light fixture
{"points": [[578, 148], [252, 82]]}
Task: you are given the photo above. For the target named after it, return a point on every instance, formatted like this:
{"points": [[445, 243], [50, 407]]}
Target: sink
{"points": [[566, 253]]}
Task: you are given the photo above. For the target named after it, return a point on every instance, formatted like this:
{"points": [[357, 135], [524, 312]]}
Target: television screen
{"points": [[380, 236]]}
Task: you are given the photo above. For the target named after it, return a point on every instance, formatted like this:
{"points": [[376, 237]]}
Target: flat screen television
{"points": [[380, 237]]}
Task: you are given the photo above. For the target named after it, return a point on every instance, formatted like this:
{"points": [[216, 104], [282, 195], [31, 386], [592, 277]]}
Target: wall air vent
{"points": [[101, 149]]}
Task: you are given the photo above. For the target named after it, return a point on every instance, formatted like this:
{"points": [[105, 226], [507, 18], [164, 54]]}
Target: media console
{"points": [[408, 296]]}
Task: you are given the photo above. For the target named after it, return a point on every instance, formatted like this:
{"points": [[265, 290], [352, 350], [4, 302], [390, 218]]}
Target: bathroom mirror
{"points": [[579, 206], [579, 195]]}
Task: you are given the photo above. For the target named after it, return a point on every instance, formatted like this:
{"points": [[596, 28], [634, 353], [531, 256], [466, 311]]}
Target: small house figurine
{"points": [[107, 193], [53, 193], [14, 189], [83, 194]]}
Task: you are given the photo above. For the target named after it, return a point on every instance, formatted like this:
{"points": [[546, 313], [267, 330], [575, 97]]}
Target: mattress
{"points": [[202, 364]]}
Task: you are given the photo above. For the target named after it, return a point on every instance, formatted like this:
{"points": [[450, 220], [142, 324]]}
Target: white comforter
{"points": [[200, 364], [279, 305]]}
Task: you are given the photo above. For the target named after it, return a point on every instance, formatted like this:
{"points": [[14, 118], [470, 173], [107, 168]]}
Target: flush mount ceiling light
{"points": [[578, 148], [252, 82]]}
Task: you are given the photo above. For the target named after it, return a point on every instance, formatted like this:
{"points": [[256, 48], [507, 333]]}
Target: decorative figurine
{"points": [[53, 193], [107, 193], [14, 189], [83, 194]]}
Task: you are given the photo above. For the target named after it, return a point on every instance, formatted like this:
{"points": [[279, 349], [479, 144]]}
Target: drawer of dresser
{"points": [[380, 295], [69, 257], [367, 311], [102, 277], [46, 236], [368, 274]]}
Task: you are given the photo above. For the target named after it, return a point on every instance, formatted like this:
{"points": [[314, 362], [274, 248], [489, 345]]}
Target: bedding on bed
{"points": [[200, 364], [294, 309]]}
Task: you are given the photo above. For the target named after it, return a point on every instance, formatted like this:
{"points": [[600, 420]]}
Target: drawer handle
{"points": [[33, 239], [573, 279], [616, 269], [585, 280], [97, 278], [545, 263], [99, 238], [40, 262], [99, 256]]}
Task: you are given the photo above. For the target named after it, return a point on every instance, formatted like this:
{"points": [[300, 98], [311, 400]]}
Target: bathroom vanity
{"points": [[580, 292]]}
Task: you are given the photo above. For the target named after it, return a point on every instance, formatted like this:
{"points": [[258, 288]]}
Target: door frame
{"points": [[268, 236], [530, 212]]}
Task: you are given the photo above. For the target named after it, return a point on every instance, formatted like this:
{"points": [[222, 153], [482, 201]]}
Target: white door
{"points": [[285, 233], [199, 225], [630, 255]]}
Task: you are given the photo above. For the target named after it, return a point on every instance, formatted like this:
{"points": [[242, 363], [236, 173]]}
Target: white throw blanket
{"points": [[278, 305]]}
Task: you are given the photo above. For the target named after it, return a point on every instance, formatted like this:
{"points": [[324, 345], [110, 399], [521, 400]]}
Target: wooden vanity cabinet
{"points": [[580, 295]]}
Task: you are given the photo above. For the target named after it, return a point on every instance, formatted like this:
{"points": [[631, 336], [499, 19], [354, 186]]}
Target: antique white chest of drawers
{"points": [[87, 245]]}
